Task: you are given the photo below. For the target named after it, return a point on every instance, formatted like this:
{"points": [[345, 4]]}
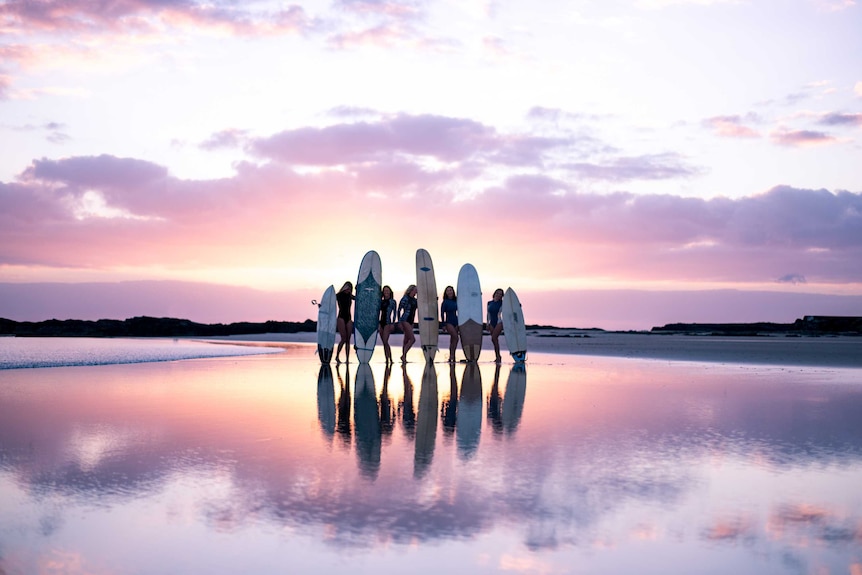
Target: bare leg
{"points": [[385, 331], [409, 338], [495, 339], [453, 340], [344, 329]]}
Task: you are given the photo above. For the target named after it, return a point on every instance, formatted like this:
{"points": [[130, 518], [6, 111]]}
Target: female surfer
{"points": [[344, 298], [449, 319], [388, 316], [495, 325], [406, 315]]}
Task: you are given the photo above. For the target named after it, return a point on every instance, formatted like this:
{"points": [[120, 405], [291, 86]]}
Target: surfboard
{"points": [[367, 309], [327, 315], [513, 326], [470, 312], [429, 322]]}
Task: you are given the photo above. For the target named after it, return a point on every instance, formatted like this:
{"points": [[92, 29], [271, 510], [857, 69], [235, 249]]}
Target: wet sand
{"points": [[824, 351]]}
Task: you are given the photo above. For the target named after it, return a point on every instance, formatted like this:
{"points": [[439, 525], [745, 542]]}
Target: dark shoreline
{"points": [[172, 327]]}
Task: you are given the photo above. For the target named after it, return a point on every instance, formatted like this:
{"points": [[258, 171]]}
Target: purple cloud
{"points": [[448, 139], [796, 138], [840, 119], [231, 138], [648, 167], [96, 171]]}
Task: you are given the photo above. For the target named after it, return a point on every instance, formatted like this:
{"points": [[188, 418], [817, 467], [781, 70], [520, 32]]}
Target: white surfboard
{"points": [[429, 322], [514, 327], [470, 312], [367, 309], [327, 316]]}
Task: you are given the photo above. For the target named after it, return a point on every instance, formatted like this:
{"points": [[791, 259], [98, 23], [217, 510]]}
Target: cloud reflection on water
{"points": [[602, 453]]}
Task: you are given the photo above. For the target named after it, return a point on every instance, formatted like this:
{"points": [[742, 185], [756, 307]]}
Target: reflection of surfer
{"points": [[386, 416], [342, 425], [513, 402], [494, 403], [449, 408], [495, 326], [344, 298], [408, 415]]}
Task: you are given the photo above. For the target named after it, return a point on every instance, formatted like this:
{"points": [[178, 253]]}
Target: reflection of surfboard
{"points": [[426, 423], [469, 426], [326, 400], [366, 422], [367, 316], [429, 323], [326, 318], [470, 312], [514, 326], [513, 402]]}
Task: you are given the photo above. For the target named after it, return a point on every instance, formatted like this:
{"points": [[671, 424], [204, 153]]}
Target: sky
{"points": [[616, 162]]}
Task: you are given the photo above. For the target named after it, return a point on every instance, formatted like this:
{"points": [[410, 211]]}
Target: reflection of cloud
{"points": [[802, 522], [732, 530]]}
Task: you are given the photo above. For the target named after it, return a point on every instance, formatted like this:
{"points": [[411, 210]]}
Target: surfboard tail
{"points": [[429, 351], [325, 354], [519, 356]]}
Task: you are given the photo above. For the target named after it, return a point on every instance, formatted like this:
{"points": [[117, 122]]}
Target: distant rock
{"points": [[146, 327], [808, 325]]}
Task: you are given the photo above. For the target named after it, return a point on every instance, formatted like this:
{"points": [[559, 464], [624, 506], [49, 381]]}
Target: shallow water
{"points": [[26, 352], [574, 465]]}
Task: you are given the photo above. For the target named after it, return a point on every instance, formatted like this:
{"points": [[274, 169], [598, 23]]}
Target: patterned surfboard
{"points": [[367, 309]]}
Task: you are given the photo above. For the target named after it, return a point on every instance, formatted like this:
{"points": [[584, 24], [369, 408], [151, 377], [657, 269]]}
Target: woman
{"points": [[406, 315], [449, 319], [344, 298], [495, 325], [387, 320]]}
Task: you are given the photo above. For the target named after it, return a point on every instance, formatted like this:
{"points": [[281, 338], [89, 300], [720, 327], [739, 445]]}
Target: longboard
{"points": [[366, 317], [326, 320], [514, 326], [429, 322], [470, 312]]}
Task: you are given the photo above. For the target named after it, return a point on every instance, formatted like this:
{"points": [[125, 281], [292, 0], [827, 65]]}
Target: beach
{"points": [[824, 351]]}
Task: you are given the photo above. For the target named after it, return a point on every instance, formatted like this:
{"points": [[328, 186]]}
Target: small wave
{"points": [[20, 353]]}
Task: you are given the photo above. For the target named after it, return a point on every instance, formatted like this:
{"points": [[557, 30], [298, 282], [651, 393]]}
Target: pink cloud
{"points": [[730, 127], [797, 138], [136, 16], [411, 175]]}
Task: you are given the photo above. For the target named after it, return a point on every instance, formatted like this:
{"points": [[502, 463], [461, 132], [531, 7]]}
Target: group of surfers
{"points": [[403, 314]]}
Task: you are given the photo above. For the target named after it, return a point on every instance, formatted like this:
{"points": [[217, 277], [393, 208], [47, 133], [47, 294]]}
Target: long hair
{"points": [[383, 291], [454, 295], [409, 289]]}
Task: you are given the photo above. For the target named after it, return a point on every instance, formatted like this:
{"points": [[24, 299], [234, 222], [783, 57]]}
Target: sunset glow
{"points": [[656, 146]]}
